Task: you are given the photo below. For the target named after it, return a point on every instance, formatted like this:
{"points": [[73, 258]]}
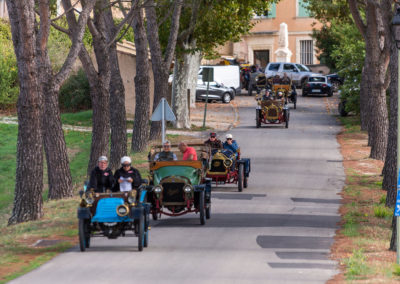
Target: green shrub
{"points": [[9, 88], [75, 93], [381, 211]]}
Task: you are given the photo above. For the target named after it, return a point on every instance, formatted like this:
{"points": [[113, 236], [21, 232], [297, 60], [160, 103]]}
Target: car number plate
{"points": [[316, 90]]}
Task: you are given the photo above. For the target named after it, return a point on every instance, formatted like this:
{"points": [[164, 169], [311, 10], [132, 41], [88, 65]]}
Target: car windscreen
{"points": [[273, 67], [317, 79], [302, 68]]}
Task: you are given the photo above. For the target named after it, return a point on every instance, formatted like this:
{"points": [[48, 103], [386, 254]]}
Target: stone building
{"points": [[262, 46]]}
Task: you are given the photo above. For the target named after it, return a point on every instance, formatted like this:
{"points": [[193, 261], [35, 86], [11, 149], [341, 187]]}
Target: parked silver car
{"points": [[297, 72]]}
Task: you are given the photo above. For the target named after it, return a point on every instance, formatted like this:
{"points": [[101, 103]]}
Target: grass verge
{"points": [[361, 245]]}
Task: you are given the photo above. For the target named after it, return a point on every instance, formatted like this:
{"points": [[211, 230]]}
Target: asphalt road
{"points": [[279, 230]]}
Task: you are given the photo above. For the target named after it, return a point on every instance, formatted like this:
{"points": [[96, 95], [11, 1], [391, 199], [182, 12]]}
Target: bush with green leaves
{"points": [[9, 88], [75, 93]]}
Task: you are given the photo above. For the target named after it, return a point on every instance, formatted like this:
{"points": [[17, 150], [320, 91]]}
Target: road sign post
{"points": [[208, 76], [164, 113]]}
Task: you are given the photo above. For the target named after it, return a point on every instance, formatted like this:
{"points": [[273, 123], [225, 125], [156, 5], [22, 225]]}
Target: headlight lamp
{"points": [[132, 196], [158, 189], [187, 188], [122, 210], [89, 198]]}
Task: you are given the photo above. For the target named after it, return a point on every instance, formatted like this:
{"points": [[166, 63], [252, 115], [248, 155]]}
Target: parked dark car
{"points": [[216, 92], [335, 80], [317, 84]]}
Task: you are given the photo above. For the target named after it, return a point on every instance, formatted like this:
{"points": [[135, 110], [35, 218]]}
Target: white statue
{"points": [[283, 53]]}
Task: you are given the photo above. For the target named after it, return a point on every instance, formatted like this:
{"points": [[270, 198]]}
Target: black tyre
{"points": [[286, 119], [141, 232], [154, 214], [245, 182], [226, 98], [202, 208], [84, 235], [330, 93], [240, 177], [304, 94], [208, 211], [342, 109], [146, 230], [258, 119]]}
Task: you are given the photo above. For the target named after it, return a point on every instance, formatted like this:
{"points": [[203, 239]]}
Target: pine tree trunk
{"points": [[28, 203], [180, 102], [194, 64], [393, 239], [119, 138], [390, 168], [141, 129], [59, 175]]}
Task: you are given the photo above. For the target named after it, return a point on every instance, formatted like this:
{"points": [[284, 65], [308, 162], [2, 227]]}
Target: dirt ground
{"points": [[374, 233]]}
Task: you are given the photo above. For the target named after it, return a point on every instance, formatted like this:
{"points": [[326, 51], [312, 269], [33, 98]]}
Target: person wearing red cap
{"points": [[213, 142]]}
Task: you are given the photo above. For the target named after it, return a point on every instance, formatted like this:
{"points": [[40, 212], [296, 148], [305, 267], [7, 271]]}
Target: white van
{"points": [[228, 75]]}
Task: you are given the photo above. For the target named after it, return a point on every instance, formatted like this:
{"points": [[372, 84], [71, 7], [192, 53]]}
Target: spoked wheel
{"points": [[202, 208], [208, 211], [245, 182], [146, 230], [240, 177], [141, 231], [84, 234], [154, 215], [286, 119], [258, 120]]}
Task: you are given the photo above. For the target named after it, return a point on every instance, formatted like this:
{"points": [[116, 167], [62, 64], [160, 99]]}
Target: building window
{"points": [[270, 13], [302, 10], [306, 52]]}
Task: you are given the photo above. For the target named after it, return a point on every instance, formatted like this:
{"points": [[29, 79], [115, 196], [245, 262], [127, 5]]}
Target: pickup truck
{"points": [[297, 72]]}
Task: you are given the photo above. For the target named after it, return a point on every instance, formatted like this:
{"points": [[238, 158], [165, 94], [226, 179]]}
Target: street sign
{"points": [[208, 74], [397, 207], [163, 112], [158, 112]]}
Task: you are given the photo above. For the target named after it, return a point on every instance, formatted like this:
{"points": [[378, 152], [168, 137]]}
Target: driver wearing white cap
{"points": [[126, 177], [231, 144]]}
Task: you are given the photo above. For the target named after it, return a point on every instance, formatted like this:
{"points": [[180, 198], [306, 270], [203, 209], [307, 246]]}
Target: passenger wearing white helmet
{"points": [[231, 144], [101, 178], [127, 177]]}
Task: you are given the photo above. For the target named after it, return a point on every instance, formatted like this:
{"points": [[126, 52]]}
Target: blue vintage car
{"points": [[112, 215]]}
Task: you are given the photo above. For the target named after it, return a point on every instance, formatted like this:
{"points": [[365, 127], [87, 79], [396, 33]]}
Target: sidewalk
{"points": [[220, 118]]}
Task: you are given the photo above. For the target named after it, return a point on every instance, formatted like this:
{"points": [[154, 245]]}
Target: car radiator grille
{"points": [[217, 166], [173, 192]]}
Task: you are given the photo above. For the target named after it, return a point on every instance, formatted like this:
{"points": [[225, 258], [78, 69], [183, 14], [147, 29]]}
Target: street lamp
{"points": [[396, 32]]}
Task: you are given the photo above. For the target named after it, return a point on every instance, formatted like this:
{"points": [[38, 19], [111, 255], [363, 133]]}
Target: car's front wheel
{"points": [[226, 98]]}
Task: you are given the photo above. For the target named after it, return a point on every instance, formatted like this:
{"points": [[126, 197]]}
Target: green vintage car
{"points": [[178, 188]]}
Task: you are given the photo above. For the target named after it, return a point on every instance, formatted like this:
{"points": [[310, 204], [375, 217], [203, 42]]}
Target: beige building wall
{"points": [[127, 65], [265, 34]]}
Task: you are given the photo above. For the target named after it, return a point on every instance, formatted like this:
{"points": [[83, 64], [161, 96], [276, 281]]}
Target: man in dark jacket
{"points": [[127, 177], [101, 178], [166, 154], [213, 142]]}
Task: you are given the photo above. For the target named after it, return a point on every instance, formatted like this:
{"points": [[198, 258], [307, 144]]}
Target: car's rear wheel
{"points": [[202, 209], [208, 211], [258, 119], [226, 98], [146, 230], [141, 231], [330, 93], [240, 177], [84, 235], [286, 119], [154, 214]]}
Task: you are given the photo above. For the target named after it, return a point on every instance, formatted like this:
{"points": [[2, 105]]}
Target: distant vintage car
{"points": [[226, 167], [274, 108], [216, 92], [179, 187], [113, 214], [317, 84]]}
